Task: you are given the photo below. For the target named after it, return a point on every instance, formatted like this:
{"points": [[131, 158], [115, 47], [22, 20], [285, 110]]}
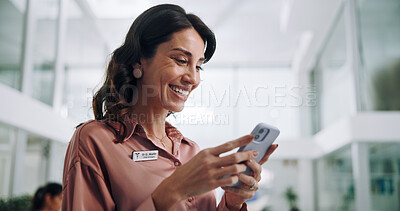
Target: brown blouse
{"points": [[100, 174]]}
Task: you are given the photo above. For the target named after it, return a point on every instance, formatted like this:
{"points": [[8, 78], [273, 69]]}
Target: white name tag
{"points": [[145, 155]]}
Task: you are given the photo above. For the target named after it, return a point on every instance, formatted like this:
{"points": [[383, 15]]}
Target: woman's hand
{"points": [[235, 197], [203, 173]]}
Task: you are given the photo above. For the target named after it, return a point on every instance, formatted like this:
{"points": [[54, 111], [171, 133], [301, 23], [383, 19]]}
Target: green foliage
{"points": [[291, 198], [18, 203]]}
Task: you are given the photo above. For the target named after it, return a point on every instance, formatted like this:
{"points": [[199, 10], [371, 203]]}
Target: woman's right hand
{"points": [[203, 173]]}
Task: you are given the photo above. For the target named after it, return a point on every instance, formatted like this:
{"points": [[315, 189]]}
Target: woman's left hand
{"points": [[236, 196]]}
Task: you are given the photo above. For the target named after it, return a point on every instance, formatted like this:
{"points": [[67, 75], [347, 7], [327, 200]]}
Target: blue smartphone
{"points": [[264, 136]]}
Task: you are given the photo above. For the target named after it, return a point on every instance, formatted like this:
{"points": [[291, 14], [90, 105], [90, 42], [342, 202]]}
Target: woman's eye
{"points": [[185, 62], [181, 61]]}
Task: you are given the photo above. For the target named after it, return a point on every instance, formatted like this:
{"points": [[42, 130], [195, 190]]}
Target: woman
{"points": [[47, 198], [130, 158]]}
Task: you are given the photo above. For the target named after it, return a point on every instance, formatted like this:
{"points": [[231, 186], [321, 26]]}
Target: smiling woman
{"points": [[154, 27], [130, 158], [173, 72]]}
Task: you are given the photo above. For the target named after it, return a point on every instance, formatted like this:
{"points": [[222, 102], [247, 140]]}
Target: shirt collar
{"points": [[174, 133], [124, 130]]}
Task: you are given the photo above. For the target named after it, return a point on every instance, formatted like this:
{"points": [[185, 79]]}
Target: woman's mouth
{"points": [[179, 90]]}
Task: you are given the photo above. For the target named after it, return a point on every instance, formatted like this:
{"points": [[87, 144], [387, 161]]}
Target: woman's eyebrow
{"points": [[187, 53]]}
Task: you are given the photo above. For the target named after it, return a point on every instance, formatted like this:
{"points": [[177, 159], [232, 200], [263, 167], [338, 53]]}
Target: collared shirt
{"points": [[99, 173]]}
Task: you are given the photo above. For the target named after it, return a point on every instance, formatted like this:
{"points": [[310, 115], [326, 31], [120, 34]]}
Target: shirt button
{"points": [[177, 163]]}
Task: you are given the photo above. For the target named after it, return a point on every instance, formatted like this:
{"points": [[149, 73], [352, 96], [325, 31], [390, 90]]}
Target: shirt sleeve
{"points": [[84, 189], [222, 205], [84, 185], [147, 205]]}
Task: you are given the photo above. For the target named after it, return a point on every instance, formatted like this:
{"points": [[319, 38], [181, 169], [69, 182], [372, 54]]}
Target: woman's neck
{"points": [[151, 119]]}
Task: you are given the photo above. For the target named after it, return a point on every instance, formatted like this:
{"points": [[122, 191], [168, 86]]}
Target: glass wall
{"points": [[81, 84], [378, 44], [11, 42], [334, 181], [44, 50], [385, 176], [379, 70], [35, 163], [43, 161], [12, 19], [380, 51], [14, 38], [6, 136], [86, 56], [334, 79]]}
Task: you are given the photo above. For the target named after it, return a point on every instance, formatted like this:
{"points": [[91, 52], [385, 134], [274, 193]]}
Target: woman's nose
{"points": [[192, 76]]}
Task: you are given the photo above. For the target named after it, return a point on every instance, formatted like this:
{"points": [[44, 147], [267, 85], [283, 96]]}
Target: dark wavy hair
{"points": [[38, 200], [153, 27]]}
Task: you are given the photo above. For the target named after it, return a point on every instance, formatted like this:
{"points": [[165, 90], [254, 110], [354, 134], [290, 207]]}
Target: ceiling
{"points": [[261, 33], [252, 33]]}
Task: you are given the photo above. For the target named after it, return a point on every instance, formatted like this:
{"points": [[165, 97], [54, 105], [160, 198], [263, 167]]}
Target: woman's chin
{"points": [[176, 108]]}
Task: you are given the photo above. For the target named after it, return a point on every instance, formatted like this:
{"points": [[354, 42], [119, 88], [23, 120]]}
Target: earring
{"points": [[137, 73]]}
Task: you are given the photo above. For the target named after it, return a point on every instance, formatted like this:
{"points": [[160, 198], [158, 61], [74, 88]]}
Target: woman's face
{"points": [[173, 73]]}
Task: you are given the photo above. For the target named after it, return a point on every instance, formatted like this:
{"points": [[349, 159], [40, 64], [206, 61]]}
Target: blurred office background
{"points": [[326, 72]]}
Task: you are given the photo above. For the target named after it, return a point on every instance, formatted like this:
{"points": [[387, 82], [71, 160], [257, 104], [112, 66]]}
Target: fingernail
{"points": [[255, 153]]}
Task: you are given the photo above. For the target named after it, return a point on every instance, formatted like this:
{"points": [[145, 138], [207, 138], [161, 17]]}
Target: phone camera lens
{"points": [[261, 131], [257, 136]]}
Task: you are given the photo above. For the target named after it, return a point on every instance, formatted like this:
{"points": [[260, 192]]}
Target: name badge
{"points": [[145, 155]]}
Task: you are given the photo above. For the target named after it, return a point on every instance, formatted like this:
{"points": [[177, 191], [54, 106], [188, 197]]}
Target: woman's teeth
{"points": [[180, 91]]}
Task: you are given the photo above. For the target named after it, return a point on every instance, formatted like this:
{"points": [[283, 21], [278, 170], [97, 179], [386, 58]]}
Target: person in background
{"points": [[129, 157], [47, 198]]}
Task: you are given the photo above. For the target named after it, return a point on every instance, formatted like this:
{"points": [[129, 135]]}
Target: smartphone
{"points": [[264, 136]]}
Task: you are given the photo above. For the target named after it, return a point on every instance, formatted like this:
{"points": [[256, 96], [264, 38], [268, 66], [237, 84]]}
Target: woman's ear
{"points": [[47, 199], [136, 65]]}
